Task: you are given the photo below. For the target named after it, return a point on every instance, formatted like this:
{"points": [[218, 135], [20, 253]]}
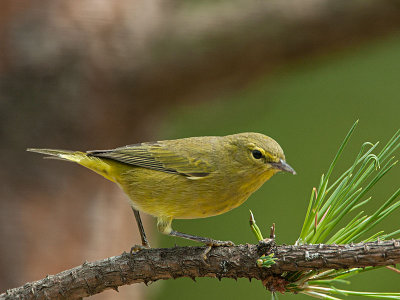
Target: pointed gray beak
{"points": [[283, 166]]}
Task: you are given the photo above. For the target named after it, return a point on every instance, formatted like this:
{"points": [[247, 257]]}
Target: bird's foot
{"points": [[137, 248], [218, 243], [215, 243]]}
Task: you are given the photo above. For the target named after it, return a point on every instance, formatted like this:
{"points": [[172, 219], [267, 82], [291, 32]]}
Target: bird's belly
{"points": [[178, 207], [207, 208], [179, 197], [182, 201]]}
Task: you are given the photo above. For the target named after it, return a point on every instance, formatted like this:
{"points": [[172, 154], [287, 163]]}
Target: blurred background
{"points": [[95, 74]]}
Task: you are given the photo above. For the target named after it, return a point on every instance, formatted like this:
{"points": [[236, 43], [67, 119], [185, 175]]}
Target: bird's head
{"points": [[259, 152]]}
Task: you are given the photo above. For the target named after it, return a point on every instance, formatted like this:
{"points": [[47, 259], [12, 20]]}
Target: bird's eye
{"points": [[256, 154]]}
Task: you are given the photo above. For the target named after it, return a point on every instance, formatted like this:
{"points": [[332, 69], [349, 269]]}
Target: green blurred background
{"points": [[97, 76], [308, 108]]}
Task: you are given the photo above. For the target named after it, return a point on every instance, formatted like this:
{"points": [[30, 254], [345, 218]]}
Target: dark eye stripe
{"points": [[256, 154]]}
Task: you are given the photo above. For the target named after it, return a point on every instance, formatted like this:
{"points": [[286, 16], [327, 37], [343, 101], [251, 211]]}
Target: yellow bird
{"points": [[187, 178]]}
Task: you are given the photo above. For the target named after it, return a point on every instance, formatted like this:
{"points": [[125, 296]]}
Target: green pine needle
{"points": [[256, 230]]}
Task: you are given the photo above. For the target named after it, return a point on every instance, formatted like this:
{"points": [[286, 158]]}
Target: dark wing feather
{"points": [[158, 156]]}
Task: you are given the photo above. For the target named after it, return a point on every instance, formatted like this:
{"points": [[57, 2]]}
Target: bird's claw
{"points": [[217, 243], [137, 248]]}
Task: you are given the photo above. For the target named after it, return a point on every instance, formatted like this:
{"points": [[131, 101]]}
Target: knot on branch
{"points": [[266, 246], [275, 283]]}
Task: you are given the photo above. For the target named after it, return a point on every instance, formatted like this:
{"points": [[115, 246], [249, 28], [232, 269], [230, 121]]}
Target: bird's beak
{"points": [[283, 166]]}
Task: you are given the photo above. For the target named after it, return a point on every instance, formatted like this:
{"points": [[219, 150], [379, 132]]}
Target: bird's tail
{"points": [[93, 163], [74, 156]]}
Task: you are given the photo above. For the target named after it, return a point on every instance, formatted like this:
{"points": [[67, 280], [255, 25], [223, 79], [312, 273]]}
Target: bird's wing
{"points": [[161, 157]]}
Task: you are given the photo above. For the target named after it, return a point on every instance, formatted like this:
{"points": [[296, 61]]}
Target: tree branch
{"points": [[228, 262]]}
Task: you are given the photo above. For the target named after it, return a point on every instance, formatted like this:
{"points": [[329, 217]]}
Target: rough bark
{"points": [[221, 262]]}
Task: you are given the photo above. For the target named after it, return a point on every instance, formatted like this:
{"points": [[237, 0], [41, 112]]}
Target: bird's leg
{"points": [[145, 243], [204, 240], [141, 228], [164, 226]]}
